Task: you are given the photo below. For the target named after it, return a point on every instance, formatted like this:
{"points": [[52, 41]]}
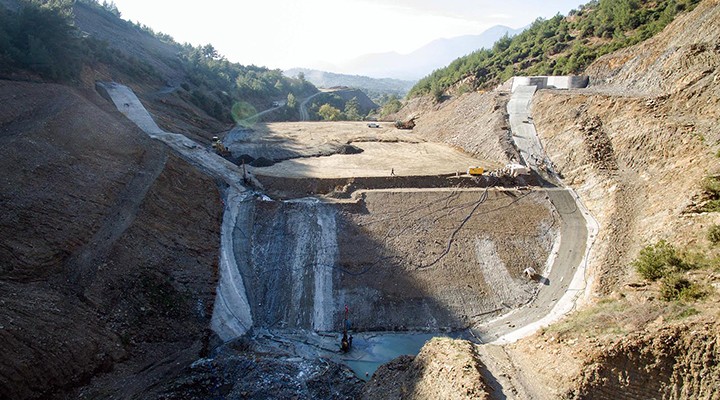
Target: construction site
{"points": [[479, 247], [403, 234]]}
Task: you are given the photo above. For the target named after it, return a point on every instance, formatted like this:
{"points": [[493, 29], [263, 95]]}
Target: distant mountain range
{"points": [[421, 62]]}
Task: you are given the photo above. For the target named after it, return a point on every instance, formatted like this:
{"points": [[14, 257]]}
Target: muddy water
{"points": [[371, 350]]}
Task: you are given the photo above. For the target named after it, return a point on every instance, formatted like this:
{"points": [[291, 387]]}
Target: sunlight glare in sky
{"points": [[317, 33]]}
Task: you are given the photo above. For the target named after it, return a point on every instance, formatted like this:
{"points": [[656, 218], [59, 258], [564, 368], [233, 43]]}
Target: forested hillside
{"points": [[557, 46], [374, 88], [54, 40]]}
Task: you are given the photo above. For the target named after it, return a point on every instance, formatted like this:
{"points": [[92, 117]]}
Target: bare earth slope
{"points": [[109, 246], [678, 362], [474, 122], [639, 160], [444, 369], [636, 146]]}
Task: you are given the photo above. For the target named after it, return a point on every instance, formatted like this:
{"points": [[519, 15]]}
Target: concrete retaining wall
{"points": [[551, 82]]}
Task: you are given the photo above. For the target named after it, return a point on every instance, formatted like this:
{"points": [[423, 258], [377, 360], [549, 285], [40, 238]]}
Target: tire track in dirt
{"points": [[84, 263]]}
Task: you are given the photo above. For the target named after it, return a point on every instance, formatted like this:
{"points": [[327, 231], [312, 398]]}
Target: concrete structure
{"points": [[565, 282], [551, 82]]}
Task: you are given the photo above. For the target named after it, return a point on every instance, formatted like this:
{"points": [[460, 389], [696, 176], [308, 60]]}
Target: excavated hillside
{"points": [[639, 143], [637, 146], [477, 123], [109, 246]]}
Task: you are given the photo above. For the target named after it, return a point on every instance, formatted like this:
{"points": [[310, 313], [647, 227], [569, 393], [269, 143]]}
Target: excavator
{"points": [[346, 341], [409, 124]]}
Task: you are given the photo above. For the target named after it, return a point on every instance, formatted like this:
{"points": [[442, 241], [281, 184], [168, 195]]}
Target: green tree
{"points": [[291, 101], [713, 234], [558, 45], [659, 260], [437, 91], [47, 43], [392, 106], [328, 112], [279, 86], [352, 110]]}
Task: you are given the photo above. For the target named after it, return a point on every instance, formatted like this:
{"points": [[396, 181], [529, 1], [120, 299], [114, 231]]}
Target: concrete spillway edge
{"points": [[231, 314], [579, 284]]}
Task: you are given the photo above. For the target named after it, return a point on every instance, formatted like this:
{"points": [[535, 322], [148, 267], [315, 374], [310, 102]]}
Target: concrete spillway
{"points": [[286, 254], [232, 316]]}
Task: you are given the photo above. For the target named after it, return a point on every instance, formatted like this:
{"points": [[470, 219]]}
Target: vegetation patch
{"points": [[559, 45], [677, 287], [662, 261], [41, 41], [613, 317], [390, 105], [713, 234], [711, 191], [659, 260]]}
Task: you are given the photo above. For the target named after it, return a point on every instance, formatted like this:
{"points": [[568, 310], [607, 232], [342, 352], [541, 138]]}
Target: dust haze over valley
{"points": [[537, 219]]}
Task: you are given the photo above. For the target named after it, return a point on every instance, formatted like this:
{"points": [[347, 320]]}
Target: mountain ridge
{"points": [[422, 61]]}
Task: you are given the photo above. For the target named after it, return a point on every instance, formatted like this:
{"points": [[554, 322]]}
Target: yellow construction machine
{"points": [[475, 171], [219, 147]]}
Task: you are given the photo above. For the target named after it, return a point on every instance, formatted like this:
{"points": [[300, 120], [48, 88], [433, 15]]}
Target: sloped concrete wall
{"points": [[551, 82]]}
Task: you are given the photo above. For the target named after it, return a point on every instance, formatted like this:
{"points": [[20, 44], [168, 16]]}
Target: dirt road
{"points": [[565, 280], [304, 115]]}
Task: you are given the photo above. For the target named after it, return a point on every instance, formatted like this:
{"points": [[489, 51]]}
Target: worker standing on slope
{"points": [[346, 341]]}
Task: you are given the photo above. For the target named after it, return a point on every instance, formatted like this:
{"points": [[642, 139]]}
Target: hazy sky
{"points": [[313, 33]]}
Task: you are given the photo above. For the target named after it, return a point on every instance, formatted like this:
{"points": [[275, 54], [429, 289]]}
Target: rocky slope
{"points": [[638, 160], [109, 245], [444, 369], [636, 146], [676, 362], [474, 122]]}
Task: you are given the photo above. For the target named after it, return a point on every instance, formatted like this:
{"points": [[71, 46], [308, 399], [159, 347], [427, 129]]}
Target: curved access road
{"points": [[565, 280], [304, 114]]}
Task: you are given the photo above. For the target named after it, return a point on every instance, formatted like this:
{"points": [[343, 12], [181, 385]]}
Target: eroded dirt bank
{"points": [[404, 377], [474, 122], [109, 247], [677, 362]]}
